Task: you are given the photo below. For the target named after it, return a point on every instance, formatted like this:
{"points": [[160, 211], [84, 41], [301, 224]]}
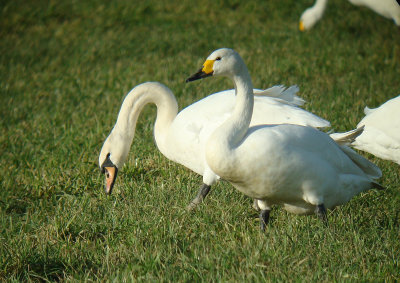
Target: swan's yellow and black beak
{"points": [[301, 26], [205, 71], [110, 170]]}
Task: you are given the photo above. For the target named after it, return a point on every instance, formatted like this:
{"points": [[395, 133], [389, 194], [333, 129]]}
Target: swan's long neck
{"points": [[220, 149], [124, 130], [240, 119], [319, 7]]}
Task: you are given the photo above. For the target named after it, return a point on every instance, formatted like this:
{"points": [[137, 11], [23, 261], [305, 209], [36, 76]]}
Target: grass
{"points": [[65, 68]]}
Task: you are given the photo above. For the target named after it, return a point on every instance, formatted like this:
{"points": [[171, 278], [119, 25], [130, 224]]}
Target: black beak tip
{"points": [[199, 75], [108, 192], [195, 77]]}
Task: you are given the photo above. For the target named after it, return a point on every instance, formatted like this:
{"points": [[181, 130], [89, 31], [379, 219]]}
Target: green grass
{"points": [[65, 67]]}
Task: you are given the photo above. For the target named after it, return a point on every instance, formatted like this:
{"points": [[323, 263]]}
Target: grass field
{"points": [[65, 67]]}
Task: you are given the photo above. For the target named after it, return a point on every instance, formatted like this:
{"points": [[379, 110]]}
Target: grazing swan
{"points": [[299, 167], [381, 135], [388, 8], [181, 136]]}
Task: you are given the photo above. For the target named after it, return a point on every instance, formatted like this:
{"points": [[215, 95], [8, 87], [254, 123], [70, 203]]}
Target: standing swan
{"points": [[181, 136], [387, 8], [299, 167]]}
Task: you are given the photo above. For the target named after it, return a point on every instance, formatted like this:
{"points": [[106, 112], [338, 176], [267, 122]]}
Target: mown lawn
{"points": [[65, 67]]}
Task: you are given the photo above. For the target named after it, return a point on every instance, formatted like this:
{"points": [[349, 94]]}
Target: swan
{"points": [[381, 135], [181, 136], [387, 8], [296, 166]]}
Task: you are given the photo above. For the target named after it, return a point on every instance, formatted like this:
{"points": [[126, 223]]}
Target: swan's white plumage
{"points": [[296, 166], [312, 15], [283, 95], [181, 137], [381, 135], [387, 8]]}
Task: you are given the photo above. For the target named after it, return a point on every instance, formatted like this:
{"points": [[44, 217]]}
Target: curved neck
{"points": [[240, 119], [167, 109], [320, 6], [226, 138]]}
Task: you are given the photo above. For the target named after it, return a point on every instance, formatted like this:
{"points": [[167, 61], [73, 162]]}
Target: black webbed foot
{"points": [[203, 192]]}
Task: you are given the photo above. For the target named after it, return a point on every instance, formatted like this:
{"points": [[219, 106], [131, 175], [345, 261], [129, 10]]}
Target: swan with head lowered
{"points": [[296, 166], [381, 134], [181, 136], [387, 8]]}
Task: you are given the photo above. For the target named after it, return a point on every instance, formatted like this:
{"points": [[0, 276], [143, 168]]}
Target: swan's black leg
{"points": [[264, 218], [321, 212], [203, 192]]}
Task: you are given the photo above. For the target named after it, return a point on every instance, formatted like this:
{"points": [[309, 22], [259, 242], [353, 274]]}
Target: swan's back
{"points": [[282, 94], [280, 105], [300, 140], [272, 111], [275, 105], [193, 125]]}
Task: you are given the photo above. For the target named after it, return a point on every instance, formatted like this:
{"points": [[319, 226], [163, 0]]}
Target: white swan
{"points": [[181, 136], [299, 167], [388, 8], [381, 135]]}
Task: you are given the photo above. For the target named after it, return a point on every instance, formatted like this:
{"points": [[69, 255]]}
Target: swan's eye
{"points": [[218, 59]]}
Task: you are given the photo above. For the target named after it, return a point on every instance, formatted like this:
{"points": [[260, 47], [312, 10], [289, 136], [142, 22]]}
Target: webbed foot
{"points": [[203, 192]]}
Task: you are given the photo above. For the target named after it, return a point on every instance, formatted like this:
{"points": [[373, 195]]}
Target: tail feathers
{"points": [[287, 95], [378, 186], [347, 138], [365, 165]]}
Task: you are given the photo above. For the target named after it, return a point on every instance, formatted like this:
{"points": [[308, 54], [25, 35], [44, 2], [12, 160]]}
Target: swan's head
{"points": [[308, 19], [112, 156], [311, 16], [222, 62]]}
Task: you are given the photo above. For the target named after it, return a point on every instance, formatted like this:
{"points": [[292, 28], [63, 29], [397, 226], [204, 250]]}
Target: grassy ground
{"points": [[65, 67]]}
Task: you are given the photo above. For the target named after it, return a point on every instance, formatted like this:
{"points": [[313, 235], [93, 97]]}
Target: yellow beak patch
{"points": [[301, 26], [208, 66]]}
